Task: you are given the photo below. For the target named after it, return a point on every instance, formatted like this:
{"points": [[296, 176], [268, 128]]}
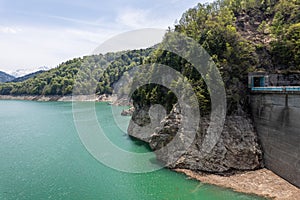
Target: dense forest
{"points": [[240, 35], [105, 71]]}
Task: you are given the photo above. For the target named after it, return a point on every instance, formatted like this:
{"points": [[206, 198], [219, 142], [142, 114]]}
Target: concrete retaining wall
{"points": [[277, 120]]}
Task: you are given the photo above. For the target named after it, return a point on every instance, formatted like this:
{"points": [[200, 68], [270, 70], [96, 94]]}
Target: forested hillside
{"points": [[241, 36], [105, 71]]}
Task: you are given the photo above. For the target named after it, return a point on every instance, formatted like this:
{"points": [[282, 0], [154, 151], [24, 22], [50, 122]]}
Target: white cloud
{"points": [[30, 46], [136, 39], [9, 30], [134, 18], [35, 47], [96, 23]]}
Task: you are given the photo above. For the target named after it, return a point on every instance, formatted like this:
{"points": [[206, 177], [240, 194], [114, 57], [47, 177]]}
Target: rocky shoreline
{"points": [[260, 182], [114, 100], [236, 149], [235, 162], [128, 112]]}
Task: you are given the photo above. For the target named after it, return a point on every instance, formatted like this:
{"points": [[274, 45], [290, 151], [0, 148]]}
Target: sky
{"points": [[36, 33]]}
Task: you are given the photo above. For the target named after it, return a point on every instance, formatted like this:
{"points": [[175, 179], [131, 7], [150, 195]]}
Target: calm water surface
{"points": [[42, 158]]}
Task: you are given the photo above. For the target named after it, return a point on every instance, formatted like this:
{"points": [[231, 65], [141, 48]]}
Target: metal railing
{"points": [[277, 89]]}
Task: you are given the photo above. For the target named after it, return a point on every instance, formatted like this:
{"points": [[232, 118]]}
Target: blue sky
{"points": [[36, 33]]}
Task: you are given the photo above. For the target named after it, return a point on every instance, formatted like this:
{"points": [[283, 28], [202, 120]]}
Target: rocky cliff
{"points": [[236, 150], [241, 37]]}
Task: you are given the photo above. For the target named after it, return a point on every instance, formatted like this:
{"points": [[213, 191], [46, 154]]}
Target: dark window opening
{"points": [[257, 81]]}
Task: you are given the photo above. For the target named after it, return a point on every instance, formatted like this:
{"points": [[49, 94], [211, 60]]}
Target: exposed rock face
{"points": [[128, 112], [236, 149], [249, 25]]}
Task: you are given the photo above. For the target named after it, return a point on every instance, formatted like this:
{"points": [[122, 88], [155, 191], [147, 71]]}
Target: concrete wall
{"points": [[284, 79], [277, 120]]}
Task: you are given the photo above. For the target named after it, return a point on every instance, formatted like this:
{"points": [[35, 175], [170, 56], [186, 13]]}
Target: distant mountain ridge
{"points": [[4, 77], [23, 72], [27, 76]]}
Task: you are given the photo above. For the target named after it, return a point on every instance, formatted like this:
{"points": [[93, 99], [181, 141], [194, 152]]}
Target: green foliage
{"points": [[286, 31], [88, 72], [214, 27]]}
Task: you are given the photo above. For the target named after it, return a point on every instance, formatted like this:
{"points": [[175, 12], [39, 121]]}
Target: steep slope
{"points": [[240, 36], [4, 77]]}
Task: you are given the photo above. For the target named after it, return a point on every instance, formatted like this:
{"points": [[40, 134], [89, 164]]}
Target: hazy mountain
{"points": [[27, 76], [4, 77], [23, 72]]}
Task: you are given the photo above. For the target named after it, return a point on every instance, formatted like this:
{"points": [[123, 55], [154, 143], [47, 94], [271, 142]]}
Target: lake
{"points": [[42, 157]]}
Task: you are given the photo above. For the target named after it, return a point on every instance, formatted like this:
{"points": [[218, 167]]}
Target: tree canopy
{"points": [[240, 36], [101, 70]]}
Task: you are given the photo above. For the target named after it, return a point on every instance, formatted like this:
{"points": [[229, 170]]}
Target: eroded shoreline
{"points": [[100, 98], [261, 182]]}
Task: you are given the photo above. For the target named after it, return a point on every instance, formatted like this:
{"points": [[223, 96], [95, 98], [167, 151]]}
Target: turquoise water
{"points": [[42, 157]]}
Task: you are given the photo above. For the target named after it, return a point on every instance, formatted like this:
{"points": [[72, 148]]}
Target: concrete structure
{"points": [[277, 120], [258, 79], [263, 79]]}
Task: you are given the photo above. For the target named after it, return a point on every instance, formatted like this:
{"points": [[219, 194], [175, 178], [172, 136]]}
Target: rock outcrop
{"points": [[237, 148], [127, 112]]}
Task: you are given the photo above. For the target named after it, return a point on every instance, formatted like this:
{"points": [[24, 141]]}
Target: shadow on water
{"points": [[139, 142]]}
